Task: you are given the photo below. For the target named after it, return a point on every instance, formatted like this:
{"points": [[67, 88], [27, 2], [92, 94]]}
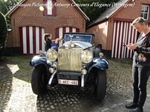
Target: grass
{"points": [[21, 63]]}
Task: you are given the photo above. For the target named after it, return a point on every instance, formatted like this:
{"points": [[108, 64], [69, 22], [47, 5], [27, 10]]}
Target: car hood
{"points": [[81, 44]]}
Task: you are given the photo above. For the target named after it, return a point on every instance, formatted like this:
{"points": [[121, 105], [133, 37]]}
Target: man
{"points": [[141, 64]]}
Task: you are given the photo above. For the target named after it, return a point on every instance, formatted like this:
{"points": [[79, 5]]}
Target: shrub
{"points": [[3, 32]]}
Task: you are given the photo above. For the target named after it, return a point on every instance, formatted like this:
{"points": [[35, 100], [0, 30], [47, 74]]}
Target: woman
{"points": [[54, 44], [141, 64], [48, 41]]}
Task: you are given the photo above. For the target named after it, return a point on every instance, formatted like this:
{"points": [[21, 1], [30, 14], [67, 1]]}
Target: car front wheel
{"points": [[100, 84], [38, 80]]}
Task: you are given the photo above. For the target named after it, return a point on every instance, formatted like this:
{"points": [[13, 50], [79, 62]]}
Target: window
{"points": [[50, 8], [145, 11], [61, 30]]}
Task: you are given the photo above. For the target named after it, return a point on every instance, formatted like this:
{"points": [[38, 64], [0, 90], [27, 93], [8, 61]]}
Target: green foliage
{"points": [[95, 8], [3, 8], [6, 5], [3, 31]]}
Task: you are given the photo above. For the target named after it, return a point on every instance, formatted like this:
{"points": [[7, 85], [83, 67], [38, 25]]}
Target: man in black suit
{"points": [[141, 64]]}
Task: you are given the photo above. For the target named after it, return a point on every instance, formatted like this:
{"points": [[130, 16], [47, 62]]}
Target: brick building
{"points": [[113, 30], [29, 23]]}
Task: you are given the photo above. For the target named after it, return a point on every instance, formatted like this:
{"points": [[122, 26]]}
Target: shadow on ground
{"points": [[5, 85]]}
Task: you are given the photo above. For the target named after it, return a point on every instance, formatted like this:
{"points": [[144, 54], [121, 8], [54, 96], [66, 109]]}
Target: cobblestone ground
{"points": [[16, 94]]}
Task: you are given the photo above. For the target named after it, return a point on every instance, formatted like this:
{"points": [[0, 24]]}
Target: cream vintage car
{"points": [[75, 63]]}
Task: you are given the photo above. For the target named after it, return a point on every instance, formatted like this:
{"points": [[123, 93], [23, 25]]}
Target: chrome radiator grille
{"points": [[69, 59]]}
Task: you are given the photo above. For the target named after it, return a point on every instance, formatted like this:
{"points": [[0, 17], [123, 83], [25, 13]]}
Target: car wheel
{"points": [[97, 50], [100, 85], [39, 80]]}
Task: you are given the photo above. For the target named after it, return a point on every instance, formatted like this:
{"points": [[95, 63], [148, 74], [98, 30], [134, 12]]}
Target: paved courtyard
{"points": [[16, 94]]}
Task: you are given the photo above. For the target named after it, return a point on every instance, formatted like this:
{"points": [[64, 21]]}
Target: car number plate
{"points": [[68, 82]]}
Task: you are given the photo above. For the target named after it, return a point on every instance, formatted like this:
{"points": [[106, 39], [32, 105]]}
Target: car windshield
{"points": [[78, 37]]}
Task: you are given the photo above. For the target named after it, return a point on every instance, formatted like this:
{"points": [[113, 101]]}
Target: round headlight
{"points": [[51, 54], [86, 56]]}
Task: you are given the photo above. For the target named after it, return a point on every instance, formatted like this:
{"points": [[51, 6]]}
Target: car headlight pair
{"points": [[86, 56]]}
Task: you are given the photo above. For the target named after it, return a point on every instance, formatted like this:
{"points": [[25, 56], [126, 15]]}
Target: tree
{"points": [[3, 31], [95, 8], [6, 5]]}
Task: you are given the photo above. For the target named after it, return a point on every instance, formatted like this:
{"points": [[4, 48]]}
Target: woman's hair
{"points": [[45, 36], [139, 20]]}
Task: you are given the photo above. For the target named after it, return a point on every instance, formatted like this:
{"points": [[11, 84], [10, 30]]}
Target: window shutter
{"points": [[50, 8]]}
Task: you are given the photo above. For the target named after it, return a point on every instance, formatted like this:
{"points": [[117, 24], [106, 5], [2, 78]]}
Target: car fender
{"points": [[99, 63], [37, 60]]}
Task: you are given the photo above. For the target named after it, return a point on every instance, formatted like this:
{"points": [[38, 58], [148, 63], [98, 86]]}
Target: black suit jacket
{"points": [[142, 52]]}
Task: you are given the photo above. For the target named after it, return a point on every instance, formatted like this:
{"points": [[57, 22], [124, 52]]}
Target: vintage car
{"points": [[76, 63]]}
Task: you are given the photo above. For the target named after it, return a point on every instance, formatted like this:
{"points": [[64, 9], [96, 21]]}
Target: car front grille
{"points": [[69, 59]]}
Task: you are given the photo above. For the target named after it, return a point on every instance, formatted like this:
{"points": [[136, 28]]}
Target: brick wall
{"points": [[32, 16], [128, 13]]}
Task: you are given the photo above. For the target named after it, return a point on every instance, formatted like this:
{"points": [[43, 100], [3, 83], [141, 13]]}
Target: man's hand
{"points": [[131, 46]]}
